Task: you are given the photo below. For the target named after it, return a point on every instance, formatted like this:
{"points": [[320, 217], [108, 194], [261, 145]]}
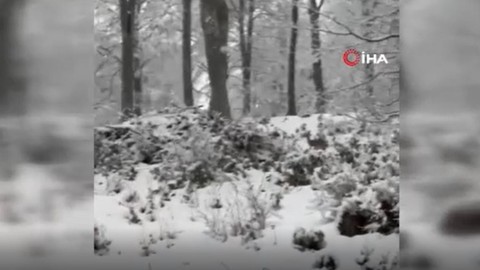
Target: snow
{"points": [[290, 124], [192, 247]]}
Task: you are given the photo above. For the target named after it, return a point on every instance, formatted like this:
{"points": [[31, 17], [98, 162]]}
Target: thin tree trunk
{"points": [[314, 12], [137, 84], [246, 42], [248, 56], [280, 85], [137, 67], [241, 33], [367, 5], [127, 18], [187, 53], [214, 20], [291, 60]]}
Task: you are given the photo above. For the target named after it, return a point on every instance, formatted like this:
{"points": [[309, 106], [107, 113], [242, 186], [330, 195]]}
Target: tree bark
{"points": [[291, 60], [137, 66], [214, 20], [127, 18], [367, 6], [187, 53], [246, 41], [314, 13], [137, 84]]}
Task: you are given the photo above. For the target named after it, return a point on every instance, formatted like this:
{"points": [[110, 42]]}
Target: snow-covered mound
{"points": [[289, 193]]}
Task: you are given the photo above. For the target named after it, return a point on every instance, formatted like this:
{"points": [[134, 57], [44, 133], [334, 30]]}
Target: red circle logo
{"points": [[354, 61]]}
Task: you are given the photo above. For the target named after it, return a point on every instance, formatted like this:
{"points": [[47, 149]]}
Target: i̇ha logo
{"points": [[352, 57]]}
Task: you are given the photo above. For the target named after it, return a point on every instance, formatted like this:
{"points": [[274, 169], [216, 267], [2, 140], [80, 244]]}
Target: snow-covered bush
{"points": [[353, 165], [370, 209], [113, 152], [386, 262], [101, 243], [132, 216], [298, 167], [146, 246], [243, 215], [311, 240], [325, 262], [215, 222], [357, 175], [191, 147]]}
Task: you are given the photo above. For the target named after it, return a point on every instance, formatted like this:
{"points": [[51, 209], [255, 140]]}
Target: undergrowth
{"points": [[353, 166]]}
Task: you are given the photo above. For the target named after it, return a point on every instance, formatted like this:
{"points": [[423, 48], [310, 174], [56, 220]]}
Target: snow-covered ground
{"points": [[180, 234]]}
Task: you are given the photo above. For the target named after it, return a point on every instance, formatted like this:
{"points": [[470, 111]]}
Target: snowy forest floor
{"points": [[212, 227]]}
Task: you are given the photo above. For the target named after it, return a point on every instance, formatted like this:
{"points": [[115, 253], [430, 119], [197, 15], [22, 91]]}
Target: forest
{"points": [[239, 134], [244, 127], [246, 58]]}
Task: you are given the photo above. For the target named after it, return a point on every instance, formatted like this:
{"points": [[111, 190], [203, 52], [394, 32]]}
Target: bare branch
{"points": [[350, 32], [374, 77], [396, 100]]}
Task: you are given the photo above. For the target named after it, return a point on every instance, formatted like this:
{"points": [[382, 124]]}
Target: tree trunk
{"points": [[137, 84], [367, 6], [127, 18], [187, 53], [246, 51], [314, 12], [291, 60], [137, 66], [214, 20]]}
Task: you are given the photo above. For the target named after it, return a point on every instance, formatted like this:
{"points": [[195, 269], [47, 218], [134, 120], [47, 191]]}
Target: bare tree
{"points": [[246, 41], [314, 13], [214, 20], [291, 60], [127, 19], [187, 53]]}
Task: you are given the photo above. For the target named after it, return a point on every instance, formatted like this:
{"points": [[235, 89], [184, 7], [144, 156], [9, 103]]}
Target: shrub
{"points": [[304, 240], [327, 262], [190, 147], [358, 177], [355, 164], [101, 243], [372, 209]]}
